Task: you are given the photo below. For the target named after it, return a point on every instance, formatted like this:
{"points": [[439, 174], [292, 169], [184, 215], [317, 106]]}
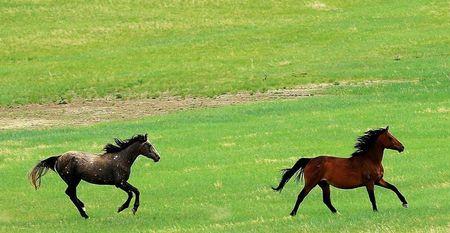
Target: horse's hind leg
{"points": [[301, 196], [130, 195], [326, 195], [312, 178], [71, 191]]}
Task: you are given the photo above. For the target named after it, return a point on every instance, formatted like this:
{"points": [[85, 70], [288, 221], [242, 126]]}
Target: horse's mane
{"points": [[122, 144], [364, 142]]}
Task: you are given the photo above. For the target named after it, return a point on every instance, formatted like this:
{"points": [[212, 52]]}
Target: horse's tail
{"points": [[40, 169], [289, 172]]}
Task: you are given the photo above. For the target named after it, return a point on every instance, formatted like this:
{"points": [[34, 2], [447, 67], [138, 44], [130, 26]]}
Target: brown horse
{"points": [[363, 168], [110, 168]]}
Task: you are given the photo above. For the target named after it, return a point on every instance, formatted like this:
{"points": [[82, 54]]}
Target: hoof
{"points": [[85, 216], [134, 210], [276, 189], [121, 208], [405, 205], [292, 214]]}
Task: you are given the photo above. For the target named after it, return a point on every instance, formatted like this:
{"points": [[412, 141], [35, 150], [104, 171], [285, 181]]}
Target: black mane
{"points": [[120, 145], [364, 142]]}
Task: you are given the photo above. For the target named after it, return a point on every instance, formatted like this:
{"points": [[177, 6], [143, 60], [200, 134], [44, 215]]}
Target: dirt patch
{"points": [[89, 112]]}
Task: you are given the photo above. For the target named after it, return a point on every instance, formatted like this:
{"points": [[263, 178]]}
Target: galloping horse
{"points": [[363, 168], [110, 168]]}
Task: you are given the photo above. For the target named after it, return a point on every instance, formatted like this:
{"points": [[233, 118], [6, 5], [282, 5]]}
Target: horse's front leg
{"points": [[385, 184], [130, 195], [136, 192], [370, 190]]}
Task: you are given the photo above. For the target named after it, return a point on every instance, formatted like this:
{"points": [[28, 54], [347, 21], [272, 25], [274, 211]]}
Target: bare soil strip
{"points": [[89, 112]]}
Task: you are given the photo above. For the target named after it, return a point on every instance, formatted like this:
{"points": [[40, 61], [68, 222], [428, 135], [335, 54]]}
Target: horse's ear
{"points": [[387, 127], [145, 137]]}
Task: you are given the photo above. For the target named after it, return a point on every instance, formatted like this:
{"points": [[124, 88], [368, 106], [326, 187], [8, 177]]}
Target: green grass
{"points": [[218, 165], [96, 49]]}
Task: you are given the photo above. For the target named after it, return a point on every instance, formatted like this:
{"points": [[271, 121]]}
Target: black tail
{"points": [[289, 172], [40, 169]]}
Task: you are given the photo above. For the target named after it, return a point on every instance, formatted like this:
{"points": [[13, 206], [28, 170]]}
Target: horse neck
{"points": [[375, 154], [129, 154]]}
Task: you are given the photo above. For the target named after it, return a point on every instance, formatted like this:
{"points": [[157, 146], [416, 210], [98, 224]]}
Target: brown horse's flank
{"points": [[363, 168], [111, 168]]}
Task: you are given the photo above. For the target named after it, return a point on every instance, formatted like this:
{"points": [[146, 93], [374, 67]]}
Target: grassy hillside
{"points": [[52, 50], [218, 164]]}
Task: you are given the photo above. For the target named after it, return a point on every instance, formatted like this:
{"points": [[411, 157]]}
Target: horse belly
{"points": [[96, 174], [97, 178], [343, 177], [345, 185]]}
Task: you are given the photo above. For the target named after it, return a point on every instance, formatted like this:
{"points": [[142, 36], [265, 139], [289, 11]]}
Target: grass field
{"points": [[218, 164], [65, 50]]}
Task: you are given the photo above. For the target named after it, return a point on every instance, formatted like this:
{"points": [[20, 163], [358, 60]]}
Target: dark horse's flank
{"points": [[111, 168], [363, 168]]}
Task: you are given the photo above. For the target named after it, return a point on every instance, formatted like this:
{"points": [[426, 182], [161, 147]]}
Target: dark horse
{"points": [[110, 168], [363, 168]]}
